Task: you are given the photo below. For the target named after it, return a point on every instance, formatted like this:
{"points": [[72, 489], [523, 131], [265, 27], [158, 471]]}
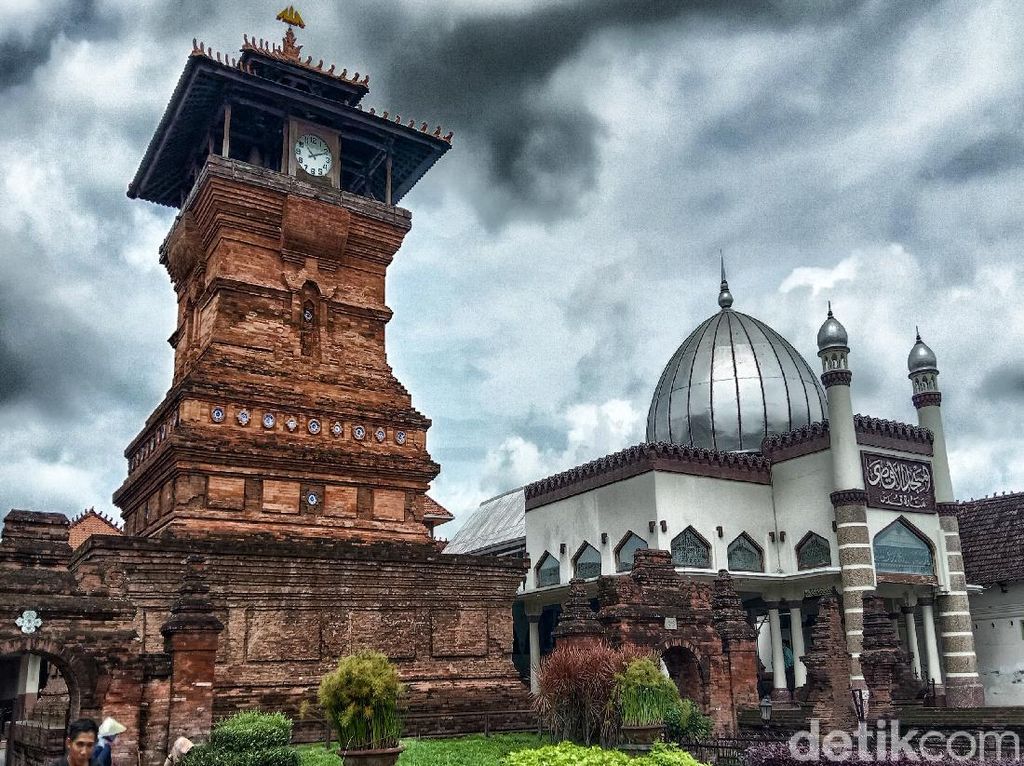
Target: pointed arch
{"points": [[745, 555], [548, 571], [813, 551], [901, 548], [691, 549], [587, 562], [629, 545]]}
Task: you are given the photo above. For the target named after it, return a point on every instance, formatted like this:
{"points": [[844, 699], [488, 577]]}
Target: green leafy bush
{"points": [[685, 721], [252, 730], [645, 695], [360, 700], [247, 739], [569, 754]]}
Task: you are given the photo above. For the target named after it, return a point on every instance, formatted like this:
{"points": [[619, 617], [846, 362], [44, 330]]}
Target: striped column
{"points": [[956, 637], [857, 570]]}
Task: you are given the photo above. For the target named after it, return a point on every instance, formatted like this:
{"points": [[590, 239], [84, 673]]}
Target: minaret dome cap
{"points": [[922, 358], [832, 334]]}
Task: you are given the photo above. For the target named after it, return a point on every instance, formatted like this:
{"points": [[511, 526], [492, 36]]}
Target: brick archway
{"points": [[686, 669], [79, 673]]}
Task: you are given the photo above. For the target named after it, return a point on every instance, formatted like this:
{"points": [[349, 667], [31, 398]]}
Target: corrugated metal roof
{"points": [[498, 521]]}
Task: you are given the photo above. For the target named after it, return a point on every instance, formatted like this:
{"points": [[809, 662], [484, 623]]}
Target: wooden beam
{"points": [[225, 145]]}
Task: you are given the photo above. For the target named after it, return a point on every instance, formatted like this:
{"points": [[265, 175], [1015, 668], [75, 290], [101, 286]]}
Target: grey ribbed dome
{"points": [[922, 358], [733, 381], [832, 334]]}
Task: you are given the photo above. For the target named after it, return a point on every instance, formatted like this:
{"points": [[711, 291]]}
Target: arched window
{"points": [[745, 555], [813, 552], [630, 544], [547, 570], [689, 549], [587, 562], [901, 549]]}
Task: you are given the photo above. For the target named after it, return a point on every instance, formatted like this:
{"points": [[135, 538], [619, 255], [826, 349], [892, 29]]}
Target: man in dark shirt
{"points": [[80, 743]]}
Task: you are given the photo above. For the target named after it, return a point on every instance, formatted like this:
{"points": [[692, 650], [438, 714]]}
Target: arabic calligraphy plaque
{"points": [[898, 484]]}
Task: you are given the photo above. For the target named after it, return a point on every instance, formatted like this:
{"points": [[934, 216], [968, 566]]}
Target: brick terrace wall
{"points": [[290, 609]]}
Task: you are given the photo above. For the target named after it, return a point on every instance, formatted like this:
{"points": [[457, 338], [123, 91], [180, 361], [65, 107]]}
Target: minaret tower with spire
{"points": [[963, 686], [849, 500]]}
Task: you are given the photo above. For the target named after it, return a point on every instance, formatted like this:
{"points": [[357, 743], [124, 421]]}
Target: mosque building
{"points": [[756, 465]]}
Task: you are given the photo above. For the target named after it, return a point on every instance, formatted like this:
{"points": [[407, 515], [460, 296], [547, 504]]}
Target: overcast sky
{"points": [[870, 153]]}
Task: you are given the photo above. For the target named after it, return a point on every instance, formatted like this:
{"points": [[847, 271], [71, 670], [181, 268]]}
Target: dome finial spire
{"points": [[917, 330], [830, 308], [724, 296]]}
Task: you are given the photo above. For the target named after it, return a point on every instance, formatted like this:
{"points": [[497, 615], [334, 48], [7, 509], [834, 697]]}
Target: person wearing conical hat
{"points": [[109, 730]]}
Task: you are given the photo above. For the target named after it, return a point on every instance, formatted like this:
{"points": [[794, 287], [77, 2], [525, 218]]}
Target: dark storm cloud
{"points": [[986, 156], [21, 54], [1004, 384], [486, 76]]}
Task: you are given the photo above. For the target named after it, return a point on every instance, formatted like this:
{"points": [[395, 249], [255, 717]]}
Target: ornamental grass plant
{"points": [[360, 700], [576, 694], [645, 696], [570, 754]]}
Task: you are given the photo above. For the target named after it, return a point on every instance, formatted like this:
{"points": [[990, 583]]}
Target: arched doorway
{"points": [[685, 670], [36, 703]]}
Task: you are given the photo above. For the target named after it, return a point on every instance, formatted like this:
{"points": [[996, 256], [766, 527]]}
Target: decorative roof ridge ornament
{"points": [[288, 48], [724, 296]]}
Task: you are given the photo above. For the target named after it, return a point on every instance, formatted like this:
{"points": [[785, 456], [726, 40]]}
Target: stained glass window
{"points": [[547, 571], [691, 550], [744, 556], [588, 562], [899, 550], [624, 555], [813, 552]]}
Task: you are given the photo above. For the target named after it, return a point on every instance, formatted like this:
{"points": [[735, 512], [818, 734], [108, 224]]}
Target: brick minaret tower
{"points": [[283, 417]]}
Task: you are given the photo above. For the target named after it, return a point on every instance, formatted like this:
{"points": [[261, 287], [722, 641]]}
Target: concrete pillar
{"points": [[534, 651], [28, 685], [912, 644], [796, 629], [931, 646], [779, 690]]}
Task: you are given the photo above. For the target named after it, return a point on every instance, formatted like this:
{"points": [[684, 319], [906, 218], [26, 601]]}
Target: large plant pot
{"points": [[642, 735], [386, 757]]}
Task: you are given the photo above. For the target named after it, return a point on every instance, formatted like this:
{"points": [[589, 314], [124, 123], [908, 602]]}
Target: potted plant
{"points": [[360, 699], [645, 696]]}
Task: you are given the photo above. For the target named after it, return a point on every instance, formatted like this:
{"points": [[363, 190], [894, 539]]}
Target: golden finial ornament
{"points": [[291, 17]]}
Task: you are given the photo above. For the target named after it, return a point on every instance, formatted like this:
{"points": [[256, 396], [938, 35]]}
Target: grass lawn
{"points": [[475, 750]]}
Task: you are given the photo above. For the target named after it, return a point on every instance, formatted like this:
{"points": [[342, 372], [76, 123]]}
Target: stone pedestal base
{"points": [[964, 695]]}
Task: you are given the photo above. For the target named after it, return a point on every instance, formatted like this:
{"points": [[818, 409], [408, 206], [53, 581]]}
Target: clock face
{"points": [[313, 155]]}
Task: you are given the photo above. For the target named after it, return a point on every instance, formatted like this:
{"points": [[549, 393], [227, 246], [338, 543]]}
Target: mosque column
{"points": [[931, 647], [779, 689], [533, 615], [796, 630], [915, 653], [849, 500], [963, 684]]}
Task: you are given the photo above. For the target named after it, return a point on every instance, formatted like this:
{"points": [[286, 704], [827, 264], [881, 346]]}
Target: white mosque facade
{"points": [[756, 465]]}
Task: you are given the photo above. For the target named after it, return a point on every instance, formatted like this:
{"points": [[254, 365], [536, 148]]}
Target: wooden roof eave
{"points": [[335, 114]]}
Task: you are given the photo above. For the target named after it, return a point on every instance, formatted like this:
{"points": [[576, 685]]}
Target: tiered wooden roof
{"points": [[278, 80]]}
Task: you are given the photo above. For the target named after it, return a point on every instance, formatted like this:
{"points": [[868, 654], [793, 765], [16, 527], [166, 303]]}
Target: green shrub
{"points": [[247, 739], [360, 700], [685, 721], [252, 730], [645, 695], [569, 754], [207, 755]]}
